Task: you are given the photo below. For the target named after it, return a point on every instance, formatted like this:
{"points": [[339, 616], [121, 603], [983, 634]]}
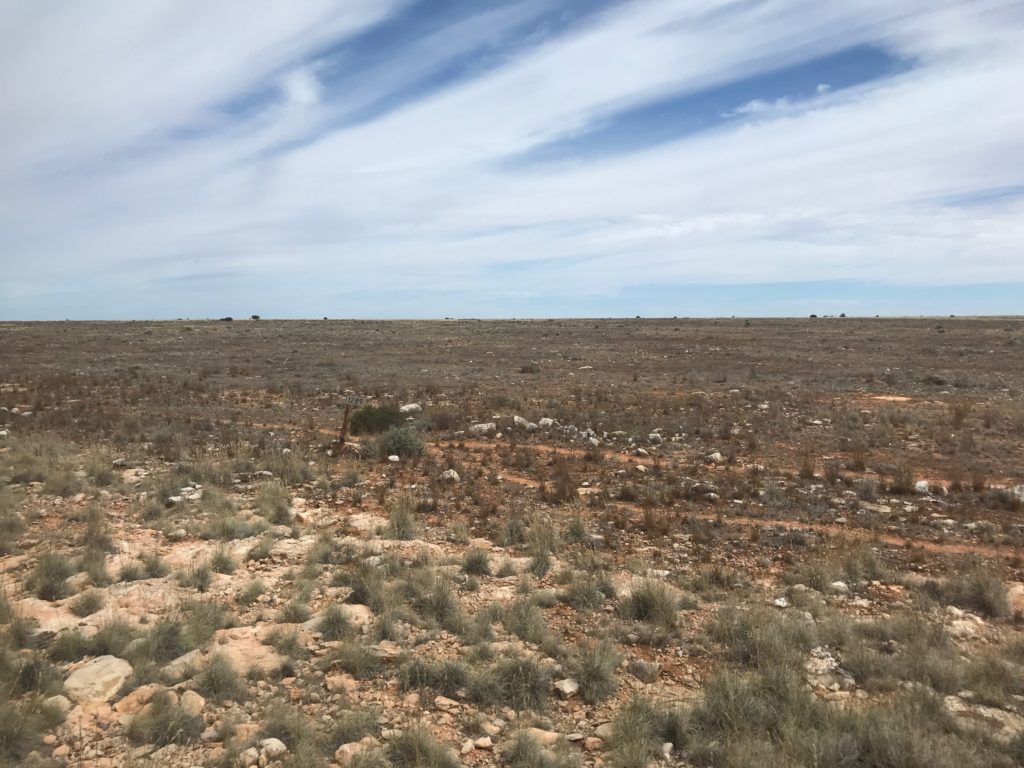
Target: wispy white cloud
{"points": [[848, 184]]}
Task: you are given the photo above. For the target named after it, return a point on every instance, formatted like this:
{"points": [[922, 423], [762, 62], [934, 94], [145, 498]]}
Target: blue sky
{"points": [[394, 158]]}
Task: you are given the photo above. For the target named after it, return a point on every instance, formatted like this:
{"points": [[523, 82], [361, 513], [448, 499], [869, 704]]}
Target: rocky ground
{"points": [[743, 574]]}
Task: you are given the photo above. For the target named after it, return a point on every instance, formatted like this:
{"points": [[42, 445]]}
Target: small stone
{"points": [[567, 687], [273, 748], [443, 702], [604, 731], [249, 757], [484, 742], [467, 747], [593, 744]]}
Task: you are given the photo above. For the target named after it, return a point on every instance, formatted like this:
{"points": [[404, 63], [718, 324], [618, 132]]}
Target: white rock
{"points": [[249, 757], [545, 423], [98, 680], [519, 421], [654, 438], [394, 459], [487, 428], [839, 588], [450, 476], [780, 602], [411, 408], [567, 687], [273, 748], [921, 486]]}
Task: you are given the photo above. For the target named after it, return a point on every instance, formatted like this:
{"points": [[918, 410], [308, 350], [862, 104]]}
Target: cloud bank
{"points": [[404, 159]]}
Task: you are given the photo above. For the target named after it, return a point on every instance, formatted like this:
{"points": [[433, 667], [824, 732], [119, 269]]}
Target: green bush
{"points": [[403, 442], [373, 419]]}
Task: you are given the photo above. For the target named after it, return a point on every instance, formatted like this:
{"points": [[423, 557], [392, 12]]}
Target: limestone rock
{"points": [[567, 687], [192, 703], [99, 679], [272, 748]]}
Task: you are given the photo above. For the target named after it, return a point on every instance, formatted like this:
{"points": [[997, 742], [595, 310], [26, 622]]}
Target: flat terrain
{"points": [[544, 543]]}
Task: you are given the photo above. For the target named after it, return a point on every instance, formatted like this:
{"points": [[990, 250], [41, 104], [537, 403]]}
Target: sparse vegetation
{"points": [[747, 524]]}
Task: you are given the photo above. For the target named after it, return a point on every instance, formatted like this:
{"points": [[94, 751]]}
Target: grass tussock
{"points": [[651, 601], [165, 722], [417, 748]]}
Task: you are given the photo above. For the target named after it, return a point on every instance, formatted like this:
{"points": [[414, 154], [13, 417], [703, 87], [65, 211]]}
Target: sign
{"points": [[349, 400]]}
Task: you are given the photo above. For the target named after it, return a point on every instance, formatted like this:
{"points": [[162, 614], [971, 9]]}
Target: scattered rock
{"points": [[542, 737], [567, 687], [180, 668], [272, 748], [98, 680], [839, 588]]}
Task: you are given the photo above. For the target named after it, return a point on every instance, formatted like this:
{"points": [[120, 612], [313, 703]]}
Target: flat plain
{"points": [[543, 543]]}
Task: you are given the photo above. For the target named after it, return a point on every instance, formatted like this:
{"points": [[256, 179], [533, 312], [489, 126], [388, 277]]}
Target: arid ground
{"points": [[726, 543]]}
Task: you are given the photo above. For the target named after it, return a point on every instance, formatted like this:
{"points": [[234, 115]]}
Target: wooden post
{"points": [[350, 401], [344, 423]]}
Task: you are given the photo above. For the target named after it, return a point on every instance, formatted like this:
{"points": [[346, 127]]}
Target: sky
{"points": [[511, 158]]}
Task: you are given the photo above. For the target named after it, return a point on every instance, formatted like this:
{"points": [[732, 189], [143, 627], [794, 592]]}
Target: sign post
{"points": [[349, 400]]}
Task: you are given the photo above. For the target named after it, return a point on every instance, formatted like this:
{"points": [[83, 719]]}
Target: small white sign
{"points": [[357, 400]]}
